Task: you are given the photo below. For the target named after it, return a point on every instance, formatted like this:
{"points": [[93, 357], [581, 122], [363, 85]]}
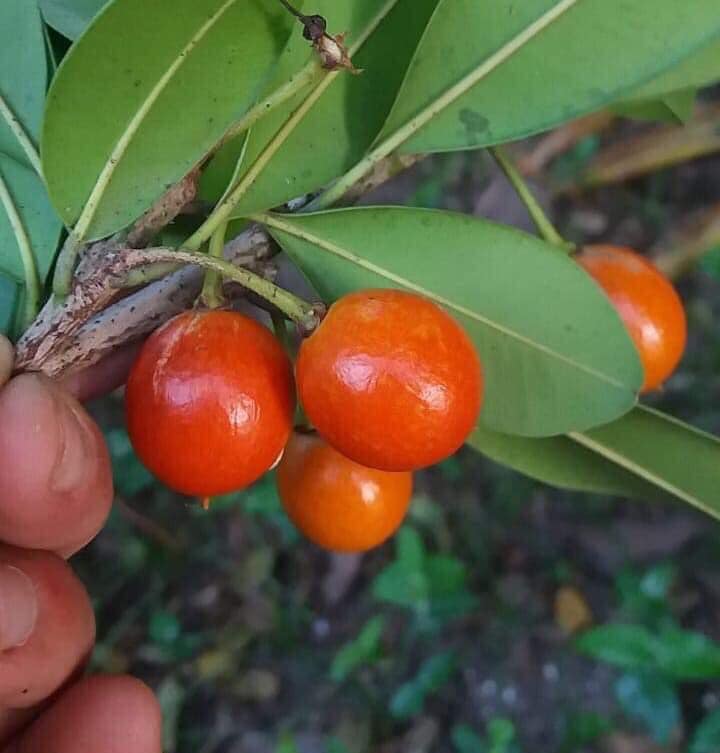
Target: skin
{"points": [[210, 402], [647, 303], [337, 503], [390, 380], [55, 494]]}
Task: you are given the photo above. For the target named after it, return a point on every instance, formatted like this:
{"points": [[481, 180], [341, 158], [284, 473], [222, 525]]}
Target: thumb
{"points": [[6, 359]]}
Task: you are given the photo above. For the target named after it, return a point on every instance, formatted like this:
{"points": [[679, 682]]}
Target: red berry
{"points": [[647, 303], [390, 380], [339, 504], [210, 402]]}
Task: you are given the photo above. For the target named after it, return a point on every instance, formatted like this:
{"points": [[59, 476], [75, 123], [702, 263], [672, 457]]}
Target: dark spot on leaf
{"points": [[474, 123]]}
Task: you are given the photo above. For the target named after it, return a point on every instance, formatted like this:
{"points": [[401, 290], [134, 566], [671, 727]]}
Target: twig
{"points": [[148, 527], [44, 347], [688, 246], [96, 327], [541, 220]]}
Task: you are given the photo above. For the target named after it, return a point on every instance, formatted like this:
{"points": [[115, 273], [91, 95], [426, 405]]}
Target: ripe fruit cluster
{"points": [[390, 382]]}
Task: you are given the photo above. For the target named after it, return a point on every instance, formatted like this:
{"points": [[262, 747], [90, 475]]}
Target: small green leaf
{"points": [[546, 335], [130, 76], [679, 654], [363, 650], [706, 738], [652, 701], [164, 628], [686, 655], [627, 646], [581, 729], [70, 17], [433, 674], [466, 740]]}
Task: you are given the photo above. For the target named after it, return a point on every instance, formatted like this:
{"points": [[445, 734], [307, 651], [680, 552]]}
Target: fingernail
{"points": [[18, 607], [77, 447]]}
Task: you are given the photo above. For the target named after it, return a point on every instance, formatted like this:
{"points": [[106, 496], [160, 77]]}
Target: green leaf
{"points": [[686, 655], [651, 700], [642, 455], [676, 107], [547, 336], [38, 218], [70, 17], [561, 462], [466, 740], [626, 646], [486, 73], [435, 672], [144, 94], [363, 650], [706, 738], [679, 654], [581, 729], [8, 303], [699, 69], [350, 110], [23, 73]]}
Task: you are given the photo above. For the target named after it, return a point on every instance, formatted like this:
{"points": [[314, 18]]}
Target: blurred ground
{"points": [[457, 636]]}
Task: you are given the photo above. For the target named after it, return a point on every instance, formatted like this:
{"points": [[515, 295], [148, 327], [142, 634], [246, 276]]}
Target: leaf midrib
{"points": [[642, 471], [122, 144], [291, 229]]}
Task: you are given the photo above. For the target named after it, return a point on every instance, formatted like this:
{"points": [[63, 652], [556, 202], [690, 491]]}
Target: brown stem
{"points": [[96, 317]]}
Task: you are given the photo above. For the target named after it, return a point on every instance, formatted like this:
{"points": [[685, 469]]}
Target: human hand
{"points": [[55, 494]]}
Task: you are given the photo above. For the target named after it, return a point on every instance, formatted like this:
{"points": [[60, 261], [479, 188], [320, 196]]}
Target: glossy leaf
{"points": [[555, 355], [337, 130], [70, 17], [145, 93], [38, 217], [561, 462], [641, 455], [486, 73], [23, 72]]}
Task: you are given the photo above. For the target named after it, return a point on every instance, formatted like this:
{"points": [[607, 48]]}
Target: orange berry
{"points": [[390, 380], [209, 402], [647, 303], [339, 504]]}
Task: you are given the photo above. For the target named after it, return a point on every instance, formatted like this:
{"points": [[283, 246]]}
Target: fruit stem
{"points": [[541, 220], [212, 293], [305, 315]]}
